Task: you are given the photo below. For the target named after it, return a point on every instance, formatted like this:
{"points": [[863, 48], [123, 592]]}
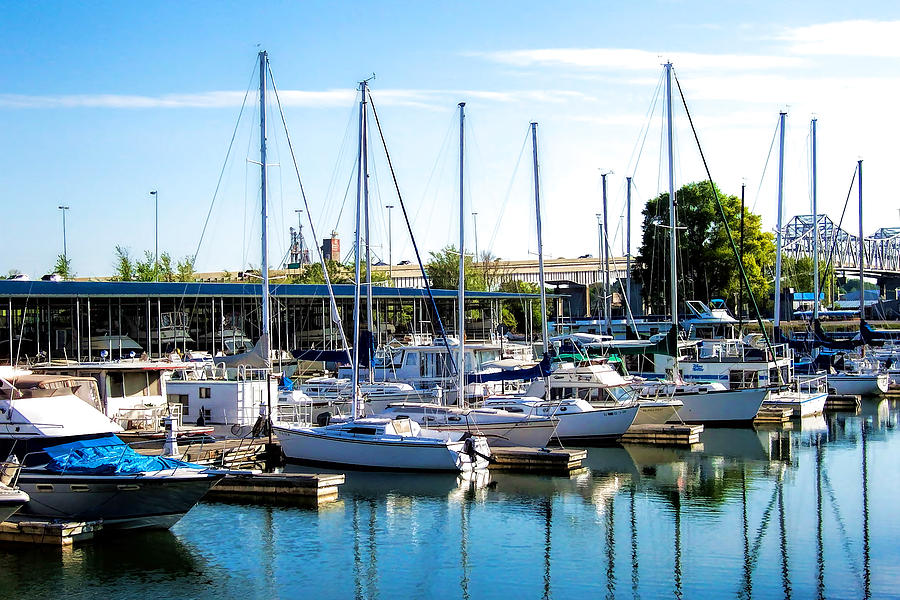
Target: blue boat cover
{"points": [[107, 455], [542, 369]]}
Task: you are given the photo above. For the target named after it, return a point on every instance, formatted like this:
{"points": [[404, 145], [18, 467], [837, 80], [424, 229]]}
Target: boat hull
{"points": [[10, 501], [656, 413], [802, 404], [304, 445], [531, 433], [146, 501], [723, 407], [596, 426], [859, 385]]}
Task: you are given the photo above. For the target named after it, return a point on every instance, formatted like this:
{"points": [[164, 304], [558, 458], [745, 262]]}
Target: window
{"points": [[181, 399], [205, 392], [410, 359], [740, 379]]}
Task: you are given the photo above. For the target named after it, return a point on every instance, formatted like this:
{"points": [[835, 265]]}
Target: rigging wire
{"points": [[505, 202], [437, 315], [224, 164], [765, 166], [725, 222], [335, 314]]}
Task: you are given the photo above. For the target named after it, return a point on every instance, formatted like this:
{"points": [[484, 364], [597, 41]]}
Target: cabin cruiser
{"points": [[383, 443], [74, 466], [499, 427], [11, 498]]}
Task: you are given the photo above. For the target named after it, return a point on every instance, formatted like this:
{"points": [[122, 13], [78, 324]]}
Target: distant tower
{"points": [[331, 247]]}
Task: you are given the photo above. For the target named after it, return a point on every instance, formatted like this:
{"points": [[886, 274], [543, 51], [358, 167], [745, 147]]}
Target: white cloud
{"points": [[427, 99], [845, 38], [627, 59]]}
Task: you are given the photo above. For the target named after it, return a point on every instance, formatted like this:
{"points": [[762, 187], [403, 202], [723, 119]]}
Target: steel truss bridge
{"points": [[881, 250]]}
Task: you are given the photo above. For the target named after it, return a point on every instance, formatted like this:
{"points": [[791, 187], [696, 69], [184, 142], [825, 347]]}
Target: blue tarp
{"points": [[107, 455], [542, 369]]}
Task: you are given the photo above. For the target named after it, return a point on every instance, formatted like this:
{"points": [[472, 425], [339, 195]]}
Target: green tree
{"points": [[185, 269], [63, 267], [443, 270], [707, 267], [146, 269], [797, 273], [124, 265], [518, 308], [165, 269]]}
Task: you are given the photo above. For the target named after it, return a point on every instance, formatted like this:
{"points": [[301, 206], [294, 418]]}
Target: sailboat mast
{"points": [[356, 243], [370, 318], [673, 266], [607, 303], [815, 225], [461, 328], [265, 341], [545, 336], [781, 120], [364, 140], [862, 247], [628, 241]]}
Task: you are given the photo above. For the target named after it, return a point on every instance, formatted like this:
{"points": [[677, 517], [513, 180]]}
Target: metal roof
{"points": [[135, 289]]}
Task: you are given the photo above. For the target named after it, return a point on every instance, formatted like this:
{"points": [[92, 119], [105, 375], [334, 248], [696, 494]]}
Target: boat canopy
{"points": [[106, 455]]}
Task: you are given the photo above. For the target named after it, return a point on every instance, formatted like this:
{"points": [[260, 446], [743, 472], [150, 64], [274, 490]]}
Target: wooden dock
{"points": [[557, 461], [278, 488], [777, 415], [669, 434], [842, 402], [47, 533]]}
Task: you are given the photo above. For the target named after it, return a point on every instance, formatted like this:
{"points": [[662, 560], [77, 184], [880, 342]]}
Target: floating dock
{"points": [[537, 460], [778, 415], [281, 488], [48, 533], [842, 402], [669, 434]]}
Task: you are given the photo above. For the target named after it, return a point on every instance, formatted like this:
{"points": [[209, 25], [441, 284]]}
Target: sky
{"points": [[102, 102]]}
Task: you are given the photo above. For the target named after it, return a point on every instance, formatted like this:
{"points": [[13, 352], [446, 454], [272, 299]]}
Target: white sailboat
{"points": [[372, 443]]}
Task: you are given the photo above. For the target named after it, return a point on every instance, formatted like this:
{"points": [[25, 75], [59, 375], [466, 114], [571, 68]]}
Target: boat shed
{"points": [[79, 320]]}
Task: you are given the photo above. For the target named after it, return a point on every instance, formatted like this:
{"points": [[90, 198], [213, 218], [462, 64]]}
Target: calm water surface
{"points": [[806, 512]]}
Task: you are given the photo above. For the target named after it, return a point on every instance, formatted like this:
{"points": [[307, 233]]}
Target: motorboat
{"points": [[806, 396], [859, 383], [75, 467], [499, 427], [384, 444]]}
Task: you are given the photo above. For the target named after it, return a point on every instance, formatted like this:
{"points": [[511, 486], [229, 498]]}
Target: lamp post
{"points": [[65, 252], [390, 241], [156, 236]]}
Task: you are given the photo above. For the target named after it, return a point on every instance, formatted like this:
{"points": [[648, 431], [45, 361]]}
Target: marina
{"points": [[803, 511], [545, 309]]}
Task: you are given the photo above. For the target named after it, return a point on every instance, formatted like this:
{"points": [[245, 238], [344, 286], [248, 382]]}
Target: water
{"points": [[807, 512]]}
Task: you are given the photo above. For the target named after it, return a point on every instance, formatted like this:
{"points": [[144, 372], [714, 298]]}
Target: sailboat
{"points": [[806, 395], [703, 403], [579, 421], [373, 442]]}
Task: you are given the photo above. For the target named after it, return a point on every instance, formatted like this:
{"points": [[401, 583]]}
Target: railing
{"points": [[810, 384]]}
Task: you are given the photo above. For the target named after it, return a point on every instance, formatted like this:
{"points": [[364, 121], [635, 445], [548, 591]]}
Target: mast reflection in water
{"points": [[803, 512]]}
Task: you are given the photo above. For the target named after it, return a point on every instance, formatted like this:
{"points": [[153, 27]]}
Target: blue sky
{"points": [[103, 102]]}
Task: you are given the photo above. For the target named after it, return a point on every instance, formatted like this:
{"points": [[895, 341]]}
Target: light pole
{"points": [[65, 252], [390, 255], [156, 236]]}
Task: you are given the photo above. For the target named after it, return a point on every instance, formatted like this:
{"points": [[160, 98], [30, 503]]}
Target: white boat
{"points": [[499, 427], [578, 420], [721, 406], [385, 444], [74, 467], [859, 384], [806, 396]]}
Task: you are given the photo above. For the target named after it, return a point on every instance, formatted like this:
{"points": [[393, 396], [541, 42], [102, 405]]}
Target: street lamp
{"points": [[156, 234], [390, 254], [65, 252]]}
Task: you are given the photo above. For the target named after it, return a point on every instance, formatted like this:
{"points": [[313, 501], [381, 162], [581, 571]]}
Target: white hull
{"points": [[858, 385], [729, 406], [10, 501], [602, 424], [656, 413], [531, 433], [311, 446], [803, 404]]}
